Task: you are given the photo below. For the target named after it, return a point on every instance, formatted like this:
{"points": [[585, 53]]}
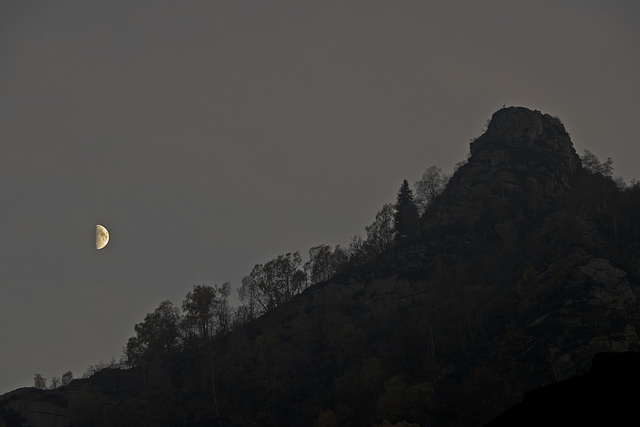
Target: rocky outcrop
{"points": [[520, 139], [33, 407], [587, 305], [609, 285], [523, 155], [73, 404]]}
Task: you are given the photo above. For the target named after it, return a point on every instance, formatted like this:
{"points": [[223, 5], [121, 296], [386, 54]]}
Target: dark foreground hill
{"points": [[522, 270]]}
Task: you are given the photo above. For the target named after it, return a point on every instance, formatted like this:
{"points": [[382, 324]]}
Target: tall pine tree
{"points": [[405, 219]]}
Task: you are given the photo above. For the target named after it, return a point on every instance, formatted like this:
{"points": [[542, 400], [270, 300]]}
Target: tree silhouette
{"points": [[430, 186], [199, 311], [39, 382], [276, 281], [380, 234], [405, 219], [591, 163], [158, 333], [67, 377], [323, 263]]}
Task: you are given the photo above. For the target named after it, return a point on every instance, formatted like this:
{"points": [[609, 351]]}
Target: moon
{"points": [[102, 237]]}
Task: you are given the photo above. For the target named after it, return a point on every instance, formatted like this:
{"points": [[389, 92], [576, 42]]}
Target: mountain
{"points": [[522, 270]]}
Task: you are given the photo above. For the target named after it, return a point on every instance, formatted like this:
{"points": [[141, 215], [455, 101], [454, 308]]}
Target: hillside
{"points": [[523, 269]]}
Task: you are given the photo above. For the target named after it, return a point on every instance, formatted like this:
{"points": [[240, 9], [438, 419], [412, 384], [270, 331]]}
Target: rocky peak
{"points": [[518, 138], [525, 157]]}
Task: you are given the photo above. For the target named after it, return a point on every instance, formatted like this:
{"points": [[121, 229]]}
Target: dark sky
{"points": [[212, 136]]}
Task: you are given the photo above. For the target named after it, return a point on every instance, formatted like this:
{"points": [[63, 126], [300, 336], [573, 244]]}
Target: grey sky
{"points": [[212, 136]]}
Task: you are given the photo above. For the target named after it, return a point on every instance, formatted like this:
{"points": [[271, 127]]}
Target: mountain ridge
{"points": [[523, 270]]}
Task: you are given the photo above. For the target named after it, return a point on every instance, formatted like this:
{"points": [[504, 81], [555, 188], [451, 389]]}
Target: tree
{"points": [[134, 352], [158, 333], [40, 382], [276, 281], [405, 219], [199, 311], [380, 234], [55, 383], [67, 377], [356, 250], [249, 308], [323, 263], [320, 266], [223, 312], [430, 186], [207, 311], [591, 163]]}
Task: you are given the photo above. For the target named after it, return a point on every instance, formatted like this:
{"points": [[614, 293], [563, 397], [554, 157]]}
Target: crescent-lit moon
{"points": [[102, 237]]}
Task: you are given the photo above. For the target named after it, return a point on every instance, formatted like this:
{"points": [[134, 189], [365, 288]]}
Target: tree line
{"points": [[592, 164], [380, 371], [206, 312], [40, 381]]}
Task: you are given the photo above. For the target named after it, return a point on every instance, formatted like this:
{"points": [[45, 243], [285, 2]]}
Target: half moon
{"points": [[102, 237]]}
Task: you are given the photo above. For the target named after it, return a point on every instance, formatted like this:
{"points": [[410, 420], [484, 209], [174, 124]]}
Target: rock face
{"points": [[33, 407], [69, 405], [522, 153], [521, 139], [515, 192], [610, 287]]}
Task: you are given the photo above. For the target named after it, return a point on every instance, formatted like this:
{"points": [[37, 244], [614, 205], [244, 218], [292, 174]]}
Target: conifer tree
{"points": [[405, 219]]}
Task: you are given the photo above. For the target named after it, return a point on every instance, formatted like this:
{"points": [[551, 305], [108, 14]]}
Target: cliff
{"points": [[524, 162]]}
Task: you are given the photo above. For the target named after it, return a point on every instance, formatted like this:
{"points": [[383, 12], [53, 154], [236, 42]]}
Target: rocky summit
{"points": [[527, 151], [515, 277], [524, 155]]}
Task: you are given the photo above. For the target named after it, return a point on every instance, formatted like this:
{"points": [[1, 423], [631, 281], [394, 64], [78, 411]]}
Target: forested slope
{"points": [[514, 277]]}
